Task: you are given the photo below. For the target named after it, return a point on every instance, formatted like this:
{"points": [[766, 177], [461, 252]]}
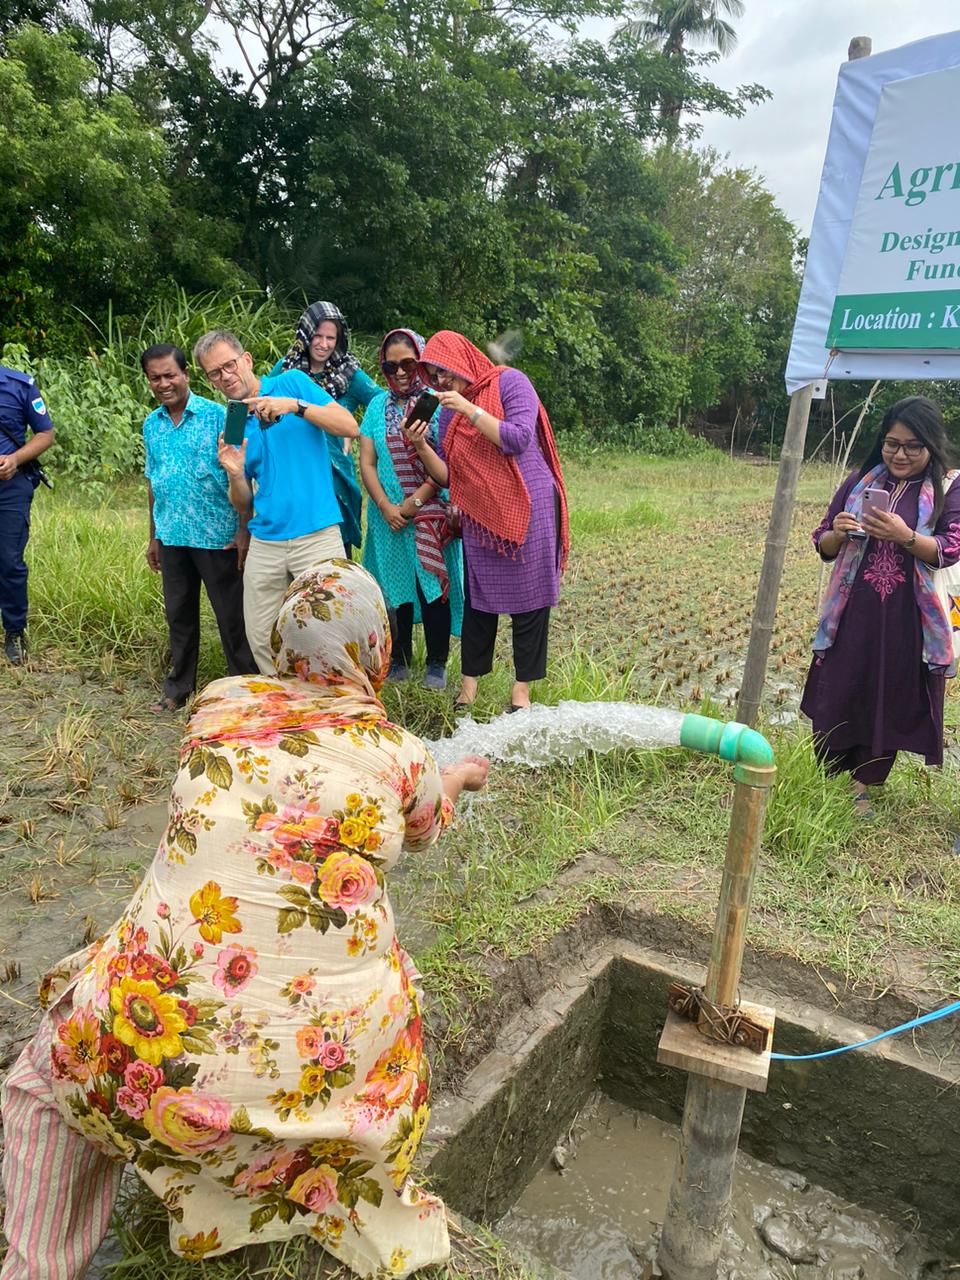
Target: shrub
{"points": [[95, 412], [661, 441]]}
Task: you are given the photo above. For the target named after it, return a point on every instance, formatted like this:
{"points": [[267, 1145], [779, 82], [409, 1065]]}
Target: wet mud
{"points": [[594, 1209], [879, 1127]]}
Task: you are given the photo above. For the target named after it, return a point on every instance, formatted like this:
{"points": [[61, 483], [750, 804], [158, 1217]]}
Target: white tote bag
{"points": [[947, 584]]}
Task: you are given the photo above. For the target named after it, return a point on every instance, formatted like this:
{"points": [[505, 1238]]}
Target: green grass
{"points": [[656, 608]]}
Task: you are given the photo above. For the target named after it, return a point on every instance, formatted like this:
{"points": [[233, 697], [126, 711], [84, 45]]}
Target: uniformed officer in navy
{"points": [[21, 407]]}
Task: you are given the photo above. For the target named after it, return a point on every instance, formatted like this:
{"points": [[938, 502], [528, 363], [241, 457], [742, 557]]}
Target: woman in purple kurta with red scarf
{"points": [[884, 648], [497, 454]]}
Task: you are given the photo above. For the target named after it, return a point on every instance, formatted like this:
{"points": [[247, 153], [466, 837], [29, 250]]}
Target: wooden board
{"points": [[683, 1045]]}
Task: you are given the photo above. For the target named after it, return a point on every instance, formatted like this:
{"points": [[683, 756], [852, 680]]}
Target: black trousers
{"points": [[436, 630], [15, 502], [479, 636], [183, 569]]}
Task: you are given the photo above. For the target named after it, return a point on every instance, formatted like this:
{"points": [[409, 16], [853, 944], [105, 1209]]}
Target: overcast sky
{"points": [[794, 48]]}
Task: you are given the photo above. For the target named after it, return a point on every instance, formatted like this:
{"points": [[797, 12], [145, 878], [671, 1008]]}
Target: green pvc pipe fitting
{"points": [[730, 741]]}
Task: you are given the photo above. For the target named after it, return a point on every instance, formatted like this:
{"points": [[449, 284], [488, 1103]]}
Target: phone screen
{"points": [[236, 423]]}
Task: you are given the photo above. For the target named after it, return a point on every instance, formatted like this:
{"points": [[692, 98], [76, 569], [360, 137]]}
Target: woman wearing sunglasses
{"points": [[884, 645], [321, 349], [497, 452], [409, 547]]}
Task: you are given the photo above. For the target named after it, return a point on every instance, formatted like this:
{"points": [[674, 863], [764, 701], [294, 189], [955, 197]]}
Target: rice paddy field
{"points": [[656, 608]]}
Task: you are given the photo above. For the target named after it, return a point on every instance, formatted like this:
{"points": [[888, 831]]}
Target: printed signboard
{"points": [[899, 287]]}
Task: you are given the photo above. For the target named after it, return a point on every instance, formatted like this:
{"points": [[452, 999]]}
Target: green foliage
{"points": [[85, 212], [99, 398], [659, 440], [422, 164], [96, 414]]}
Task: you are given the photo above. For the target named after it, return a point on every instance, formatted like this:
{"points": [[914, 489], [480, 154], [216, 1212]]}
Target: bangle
{"points": [[910, 541], [475, 415]]}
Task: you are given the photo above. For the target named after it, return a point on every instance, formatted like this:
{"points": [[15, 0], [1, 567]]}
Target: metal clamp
{"points": [[720, 1022]]}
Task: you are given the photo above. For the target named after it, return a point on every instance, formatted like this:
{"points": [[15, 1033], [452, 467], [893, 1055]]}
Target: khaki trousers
{"points": [[269, 570]]}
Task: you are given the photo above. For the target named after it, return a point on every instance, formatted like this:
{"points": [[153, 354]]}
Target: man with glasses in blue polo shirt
{"points": [[195, 535], [281, 477]]}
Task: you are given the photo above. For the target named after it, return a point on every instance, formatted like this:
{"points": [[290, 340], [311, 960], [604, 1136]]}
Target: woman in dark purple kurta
{"points": [[504, 475], [871, 691]]}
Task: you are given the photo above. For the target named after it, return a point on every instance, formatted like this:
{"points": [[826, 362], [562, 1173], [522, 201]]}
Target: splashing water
{"points": [[543, 735]]}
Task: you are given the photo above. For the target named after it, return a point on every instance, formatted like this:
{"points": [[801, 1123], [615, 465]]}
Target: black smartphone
{"points": [[424, 409], [236, 423]]}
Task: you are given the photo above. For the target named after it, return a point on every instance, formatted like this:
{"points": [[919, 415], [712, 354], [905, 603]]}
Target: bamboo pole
{"points": [[697, 1209], [774, 554], [778, 529], [736, 888]]}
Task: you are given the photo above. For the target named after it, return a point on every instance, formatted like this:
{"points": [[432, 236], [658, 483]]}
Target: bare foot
{"points": [[520, 697]]}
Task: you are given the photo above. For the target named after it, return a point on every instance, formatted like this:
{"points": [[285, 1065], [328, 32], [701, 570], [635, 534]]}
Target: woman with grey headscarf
{"points": [[321, 349]]}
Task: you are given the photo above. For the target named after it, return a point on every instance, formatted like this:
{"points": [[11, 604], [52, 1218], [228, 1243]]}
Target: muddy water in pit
{"points": [[597, 1220]]}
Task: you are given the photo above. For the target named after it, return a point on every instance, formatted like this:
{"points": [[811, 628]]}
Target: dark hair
{"points": [[160, 351], [925, 420], [397, 335]]}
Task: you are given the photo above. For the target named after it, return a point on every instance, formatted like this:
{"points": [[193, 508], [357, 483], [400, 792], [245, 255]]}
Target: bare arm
{"points": [[10, 462], [38, 443], [468, 774], [153, 546], [435, 466], [240, 491], [331, 417]]}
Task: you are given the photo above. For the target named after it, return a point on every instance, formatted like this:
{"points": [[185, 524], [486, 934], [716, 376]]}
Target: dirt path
{"points": [[85, 767]]}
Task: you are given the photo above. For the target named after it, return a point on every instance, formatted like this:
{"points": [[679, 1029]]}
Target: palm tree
{"points": [[669, 24]]}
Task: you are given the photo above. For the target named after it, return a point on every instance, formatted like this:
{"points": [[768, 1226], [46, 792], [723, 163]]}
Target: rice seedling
{"points": [[656, 609]]}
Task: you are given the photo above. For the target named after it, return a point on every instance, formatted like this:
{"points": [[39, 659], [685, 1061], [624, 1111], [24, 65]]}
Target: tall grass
{"points": [[99, 398]]}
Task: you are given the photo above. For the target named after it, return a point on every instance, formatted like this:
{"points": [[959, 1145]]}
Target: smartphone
{"points": [[876, 500], [236, 423], [424, 409]]}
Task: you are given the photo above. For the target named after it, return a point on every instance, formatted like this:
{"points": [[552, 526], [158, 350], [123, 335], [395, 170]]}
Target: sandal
{"points": [[862, 806], [461, 708], [165, 704]]}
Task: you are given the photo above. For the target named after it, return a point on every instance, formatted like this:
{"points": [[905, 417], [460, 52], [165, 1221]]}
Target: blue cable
{"points": [[906, 1026]]}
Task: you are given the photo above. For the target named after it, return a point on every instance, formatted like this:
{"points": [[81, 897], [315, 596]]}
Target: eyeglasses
{"points": [[407, 366], [911, 450], [228, 366]]}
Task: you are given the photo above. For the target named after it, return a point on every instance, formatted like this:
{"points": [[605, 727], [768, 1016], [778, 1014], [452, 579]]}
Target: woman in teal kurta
{"points": [[409, 547], [321, 349]]}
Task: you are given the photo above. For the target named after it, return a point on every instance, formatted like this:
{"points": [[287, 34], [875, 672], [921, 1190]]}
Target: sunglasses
{"points": [[407, 366]]}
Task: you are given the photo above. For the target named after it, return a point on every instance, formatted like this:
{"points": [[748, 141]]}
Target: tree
{"points": [[85, 216], [737, 288], [671, 26]]}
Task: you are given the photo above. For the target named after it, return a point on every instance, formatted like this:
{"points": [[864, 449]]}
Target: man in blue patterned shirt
{"points": [[195, 535]]}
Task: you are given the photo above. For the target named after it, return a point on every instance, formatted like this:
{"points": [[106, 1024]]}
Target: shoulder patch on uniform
{"points": [[39, 405]]}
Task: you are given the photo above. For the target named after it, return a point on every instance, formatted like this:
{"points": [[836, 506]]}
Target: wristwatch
{"points": [[302, 406], [417, 502]]}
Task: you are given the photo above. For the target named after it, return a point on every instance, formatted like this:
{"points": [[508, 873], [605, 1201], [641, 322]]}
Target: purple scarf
{"points": [[937, 638]]}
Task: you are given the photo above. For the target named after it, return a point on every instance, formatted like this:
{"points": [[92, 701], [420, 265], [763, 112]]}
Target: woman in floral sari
{"points": [[248, 1034]]}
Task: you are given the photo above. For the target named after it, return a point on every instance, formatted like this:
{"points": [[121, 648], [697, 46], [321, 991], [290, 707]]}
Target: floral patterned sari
{"points": [[248, 1034]]}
